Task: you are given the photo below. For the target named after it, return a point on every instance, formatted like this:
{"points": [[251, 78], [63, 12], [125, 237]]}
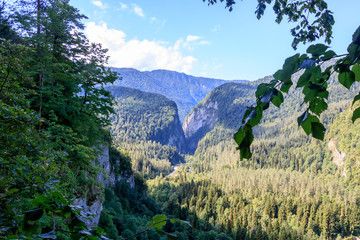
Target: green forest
{"points": [[84, 158]]}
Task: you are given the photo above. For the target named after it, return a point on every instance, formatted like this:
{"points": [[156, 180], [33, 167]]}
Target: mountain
{"points": [[147, 126], [210, 125], [220, 107], [185, 90]]}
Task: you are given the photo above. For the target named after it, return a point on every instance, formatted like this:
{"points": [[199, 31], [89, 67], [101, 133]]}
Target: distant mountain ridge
{"points": [[185, 90]]}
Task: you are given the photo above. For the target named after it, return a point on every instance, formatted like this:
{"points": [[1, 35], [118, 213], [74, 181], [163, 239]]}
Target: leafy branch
{"points": [[313, 81]]}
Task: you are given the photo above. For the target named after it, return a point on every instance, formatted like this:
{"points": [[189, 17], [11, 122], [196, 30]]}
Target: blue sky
{"points": [[190, 36]]}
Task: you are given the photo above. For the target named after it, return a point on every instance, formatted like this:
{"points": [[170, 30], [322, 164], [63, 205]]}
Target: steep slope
{"points": [[220, 107], [184, 89], [147, 126], [278, 140], [146, 116]]}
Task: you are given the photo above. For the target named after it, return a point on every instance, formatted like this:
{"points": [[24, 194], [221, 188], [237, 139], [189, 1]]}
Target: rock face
{"points": [[200, 121], [338, 157], [223, 106], [91, 210]]}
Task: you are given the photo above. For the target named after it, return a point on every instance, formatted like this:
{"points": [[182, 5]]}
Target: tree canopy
{"points": [[53, 110]]}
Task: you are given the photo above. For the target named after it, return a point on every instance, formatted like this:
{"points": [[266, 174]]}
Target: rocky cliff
{"points": [[223, 106], [200, 121], [91, 209]]}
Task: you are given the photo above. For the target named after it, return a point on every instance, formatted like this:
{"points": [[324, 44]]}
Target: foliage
{"points": [[313, 81], [53, 110], [128, 213], [143, 125], [265, 204]]}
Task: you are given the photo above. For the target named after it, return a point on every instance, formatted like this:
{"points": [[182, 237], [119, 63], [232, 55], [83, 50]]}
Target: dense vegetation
{"points": [[144, 124], [292, 189], [53, 110]]}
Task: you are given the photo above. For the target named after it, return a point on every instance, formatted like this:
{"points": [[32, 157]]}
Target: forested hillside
{"points": [[147, 126], [293, 187], [183, 89]]}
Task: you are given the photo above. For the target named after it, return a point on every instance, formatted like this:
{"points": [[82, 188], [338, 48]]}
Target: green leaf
{"points": [[256, 118], [318, 130], [347, 78], [38, 179], [317, 50], [318, 106], [291, 64], [356, 98], [303, 121], [356, 70], [328, 55], [315, 74], [247, 138], [278, 99], [286, 86], [311, 124], [356, 36], [157, 222], [262, 89], [356, 115], [30, 228], [239, 136], [304, 78], [278, 75]]}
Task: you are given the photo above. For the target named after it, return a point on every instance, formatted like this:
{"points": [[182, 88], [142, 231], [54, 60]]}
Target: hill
{"points": [[147, 126], [185, 90]]}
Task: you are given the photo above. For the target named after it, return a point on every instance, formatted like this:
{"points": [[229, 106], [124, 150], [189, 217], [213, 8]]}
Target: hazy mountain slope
{"points": [[184, 89]]}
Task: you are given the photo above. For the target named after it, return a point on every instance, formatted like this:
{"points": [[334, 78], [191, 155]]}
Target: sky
{"points": [[209, 41]]}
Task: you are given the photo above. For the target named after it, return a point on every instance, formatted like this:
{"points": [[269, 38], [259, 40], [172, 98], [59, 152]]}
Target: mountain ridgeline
{"points": [[183, 89]]}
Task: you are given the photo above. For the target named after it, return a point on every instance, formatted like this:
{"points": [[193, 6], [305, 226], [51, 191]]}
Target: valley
{"points": [[89, 151], [291, 188]]}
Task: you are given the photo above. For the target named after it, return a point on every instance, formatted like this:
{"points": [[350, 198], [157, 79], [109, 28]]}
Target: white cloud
{"points": [[204, 43], [99, 4], [190, 42], [192, 38], [139, 54], [138, 10], [123, 6]]}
